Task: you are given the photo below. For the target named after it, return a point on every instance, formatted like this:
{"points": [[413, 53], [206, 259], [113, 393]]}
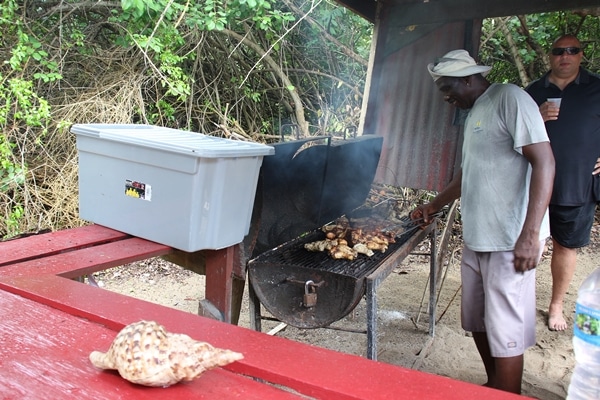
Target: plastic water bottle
{"points": [[585, 382]]}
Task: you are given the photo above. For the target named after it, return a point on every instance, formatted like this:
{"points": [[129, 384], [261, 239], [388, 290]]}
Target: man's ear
{"points": [[467, 80]]}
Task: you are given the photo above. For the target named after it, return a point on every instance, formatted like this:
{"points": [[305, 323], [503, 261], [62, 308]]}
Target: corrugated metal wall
{"points": [[421, 143]]}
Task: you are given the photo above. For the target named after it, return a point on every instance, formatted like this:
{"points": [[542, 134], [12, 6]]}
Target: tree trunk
{"points": [[514, 51]]}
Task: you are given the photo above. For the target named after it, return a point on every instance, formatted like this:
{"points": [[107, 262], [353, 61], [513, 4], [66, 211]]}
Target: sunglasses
{"points": [[559, 51]]}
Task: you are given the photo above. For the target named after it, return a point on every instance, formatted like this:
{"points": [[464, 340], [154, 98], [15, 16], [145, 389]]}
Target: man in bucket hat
{"points": [[505, 183]]}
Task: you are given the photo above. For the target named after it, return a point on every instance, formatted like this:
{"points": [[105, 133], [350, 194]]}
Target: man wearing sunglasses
{"points": [[574, 132]]}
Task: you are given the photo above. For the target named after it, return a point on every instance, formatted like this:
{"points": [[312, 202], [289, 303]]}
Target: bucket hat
{"points": [[456, 63]]}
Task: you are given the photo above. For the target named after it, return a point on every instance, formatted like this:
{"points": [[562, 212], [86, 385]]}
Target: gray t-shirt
{"points": [[496, 175]]}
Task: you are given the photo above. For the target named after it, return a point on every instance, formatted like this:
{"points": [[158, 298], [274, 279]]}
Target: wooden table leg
{"points": [[224, 280], [219, 279]]}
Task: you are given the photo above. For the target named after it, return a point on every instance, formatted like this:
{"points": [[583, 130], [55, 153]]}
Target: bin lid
{"points": [[173, 140]]}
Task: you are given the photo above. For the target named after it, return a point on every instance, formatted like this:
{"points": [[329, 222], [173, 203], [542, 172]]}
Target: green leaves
{"points": [[13, 220], [25, 105], [156, 31], [21, 110], [10, 174], [135, 8], [218, 15], [30, 48], [177, 80]]}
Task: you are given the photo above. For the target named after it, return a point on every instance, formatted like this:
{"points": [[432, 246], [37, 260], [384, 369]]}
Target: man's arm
{"points": [[541, 158]]}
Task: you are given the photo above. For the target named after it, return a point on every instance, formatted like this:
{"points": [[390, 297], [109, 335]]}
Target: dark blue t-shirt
{"points": [[574, 137]]}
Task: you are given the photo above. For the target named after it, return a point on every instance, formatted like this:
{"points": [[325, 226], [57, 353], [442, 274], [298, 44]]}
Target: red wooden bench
{"points": [[51, 323]]}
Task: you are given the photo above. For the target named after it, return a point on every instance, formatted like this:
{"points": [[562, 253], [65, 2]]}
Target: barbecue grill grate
{"points": [[294, 253]]}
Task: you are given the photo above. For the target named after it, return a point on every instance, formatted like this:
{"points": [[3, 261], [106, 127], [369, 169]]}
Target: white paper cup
{"points": [[555, 101]]}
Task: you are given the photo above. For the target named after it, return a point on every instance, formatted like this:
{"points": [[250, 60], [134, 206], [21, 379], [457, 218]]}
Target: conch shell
{"points": [[146, 354]]}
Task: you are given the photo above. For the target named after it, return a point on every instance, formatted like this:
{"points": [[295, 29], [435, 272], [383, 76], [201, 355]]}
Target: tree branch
{"points": [[345, 49], [55, 7], [298, 107], [514, 51]]}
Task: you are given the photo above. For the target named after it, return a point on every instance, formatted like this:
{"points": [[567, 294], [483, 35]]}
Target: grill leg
{"points": [[254, 306], [371, 319], [432, 280]]}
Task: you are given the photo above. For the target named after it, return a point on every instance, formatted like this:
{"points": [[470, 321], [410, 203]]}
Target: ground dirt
{"points": [[403, 320]]}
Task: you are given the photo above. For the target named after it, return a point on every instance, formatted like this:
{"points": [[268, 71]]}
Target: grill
{"points": [[294, 253], [299, 194]]}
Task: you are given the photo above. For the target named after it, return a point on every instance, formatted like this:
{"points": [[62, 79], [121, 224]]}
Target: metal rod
{"points": [[324, 178], [371, 294], [432, 282], [339, 328]]}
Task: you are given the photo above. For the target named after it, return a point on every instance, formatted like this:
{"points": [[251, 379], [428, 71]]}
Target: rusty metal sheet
{"points": [[421, 142]]}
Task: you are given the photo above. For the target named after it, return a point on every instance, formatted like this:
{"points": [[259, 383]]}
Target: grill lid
{"points": [[310, 182]]}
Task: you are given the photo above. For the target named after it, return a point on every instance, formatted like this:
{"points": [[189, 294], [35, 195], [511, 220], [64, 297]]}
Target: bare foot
{"points": [[556, 320]]}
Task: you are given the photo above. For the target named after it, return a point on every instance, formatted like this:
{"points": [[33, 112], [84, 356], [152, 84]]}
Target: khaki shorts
{"points": [[499, 301]]}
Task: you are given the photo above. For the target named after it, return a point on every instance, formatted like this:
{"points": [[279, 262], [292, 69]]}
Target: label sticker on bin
{"points": [[138, 190]]}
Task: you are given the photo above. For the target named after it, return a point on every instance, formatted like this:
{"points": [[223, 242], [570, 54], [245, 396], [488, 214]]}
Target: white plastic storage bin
{"points": [[186, 190]]}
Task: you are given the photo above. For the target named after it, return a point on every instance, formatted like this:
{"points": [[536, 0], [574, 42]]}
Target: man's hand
{"points": [[423, 214], [549, 111], [527, 253]]}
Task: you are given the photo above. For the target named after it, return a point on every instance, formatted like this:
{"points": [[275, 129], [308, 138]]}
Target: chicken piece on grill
{"points": [[345, 239], [357, 236], [338, 229], [325, 245], [372, 240], [320, 245], [362, 248], [373, 245], [343, 251]]}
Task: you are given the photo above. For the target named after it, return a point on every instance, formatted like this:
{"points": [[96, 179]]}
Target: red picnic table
{"points": [[52, 322], [76, 252]]}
